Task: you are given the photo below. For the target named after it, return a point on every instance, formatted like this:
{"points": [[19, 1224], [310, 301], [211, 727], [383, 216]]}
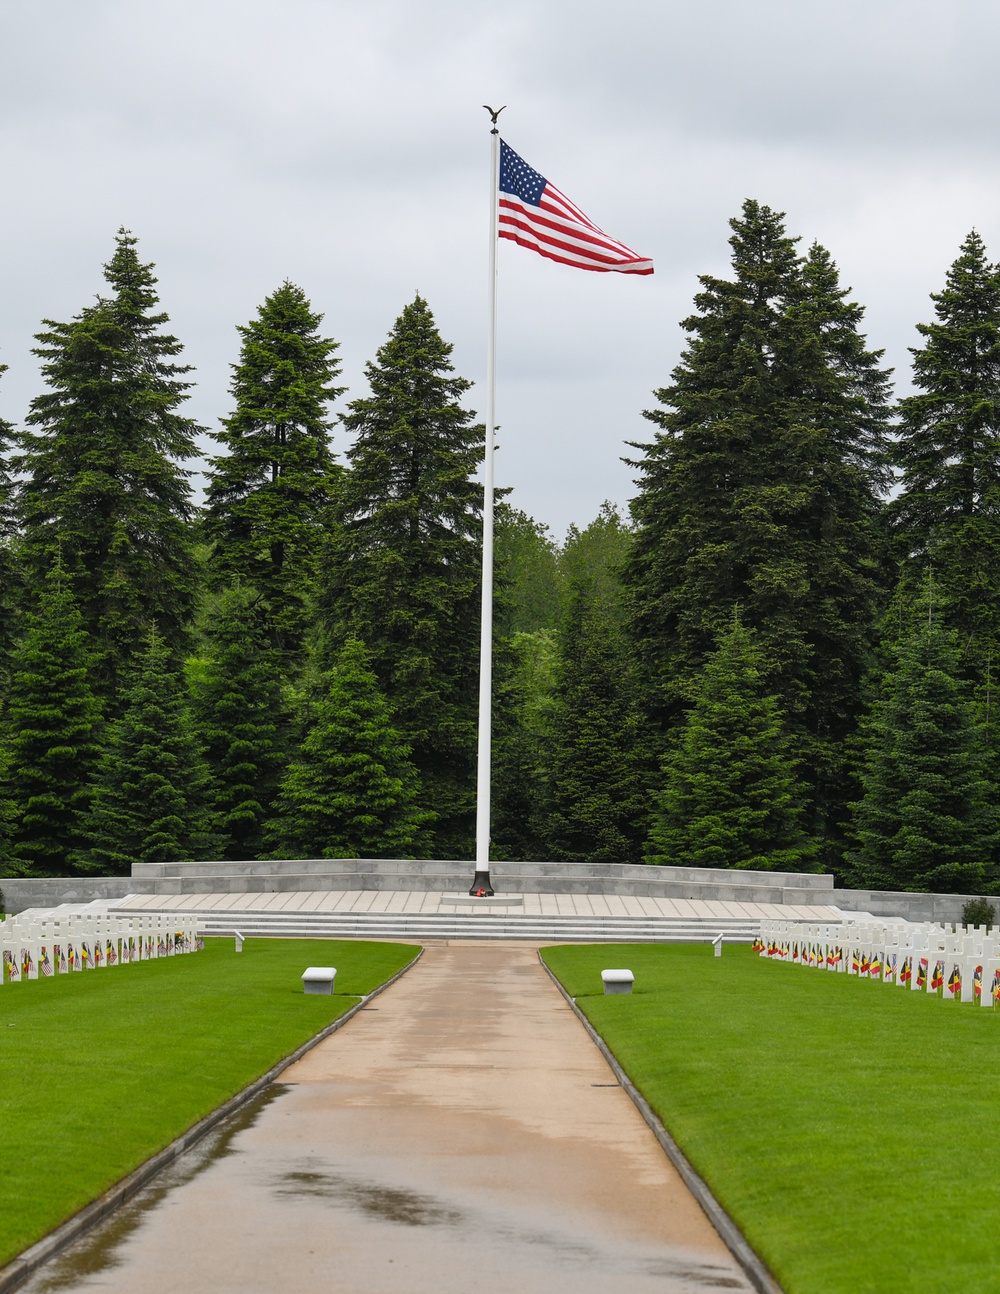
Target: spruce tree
{"points": [[10, 579], [149, 791], [242, 724], [102, 481], [596, 805], [351, 792], [926, 819], [268, 497], [947, 513], [730, 794], [404, 570], [52, 729], [762, 490]]}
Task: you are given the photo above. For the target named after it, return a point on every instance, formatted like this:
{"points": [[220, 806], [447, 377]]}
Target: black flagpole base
{"points": [[482, 883]]}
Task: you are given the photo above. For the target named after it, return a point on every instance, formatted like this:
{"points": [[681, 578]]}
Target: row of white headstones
{"points": [[33, 947], [963, 962]]}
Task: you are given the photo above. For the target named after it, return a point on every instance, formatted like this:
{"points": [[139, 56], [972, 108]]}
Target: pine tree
{"points": [[761, 490], [241, 719], [268, 497], [103, 485], [730, 795], [149, 792], [52, 725], [351, 793], [596, 806], [947, 514], [926, 820], [404, 573]]}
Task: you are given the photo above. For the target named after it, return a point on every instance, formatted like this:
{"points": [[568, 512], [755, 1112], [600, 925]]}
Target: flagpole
{"points": [[485, 761]]}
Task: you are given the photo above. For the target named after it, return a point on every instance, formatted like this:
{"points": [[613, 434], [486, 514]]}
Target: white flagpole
{"points": [[485, 761]]}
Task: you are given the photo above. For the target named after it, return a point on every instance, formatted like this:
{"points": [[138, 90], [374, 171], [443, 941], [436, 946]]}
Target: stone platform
{"points": [[430, 914]]}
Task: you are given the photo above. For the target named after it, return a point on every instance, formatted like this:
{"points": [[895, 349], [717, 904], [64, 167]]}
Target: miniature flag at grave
{"points": [[855, 962], [937, 979], [906, 971], [977, 985], [955, 980], [61, 963], [875, 967], [13, 969], [44, 964], [758, 944], [889, 970], [110, 955], [922, 973], [995, 991]]}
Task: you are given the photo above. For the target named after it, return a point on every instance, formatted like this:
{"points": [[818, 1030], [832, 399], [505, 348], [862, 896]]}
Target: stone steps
{"points": [[476, 924]]}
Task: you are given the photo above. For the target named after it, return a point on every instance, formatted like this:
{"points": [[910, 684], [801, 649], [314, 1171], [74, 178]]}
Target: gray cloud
{"points": [[341, 144]]}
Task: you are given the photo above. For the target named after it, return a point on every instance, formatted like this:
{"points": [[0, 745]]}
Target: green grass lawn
{"points": [[851, 1128], [100, 1070]]}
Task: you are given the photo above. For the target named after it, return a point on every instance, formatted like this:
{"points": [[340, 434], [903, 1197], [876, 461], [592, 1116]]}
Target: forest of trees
{"points": [[783, 657]]}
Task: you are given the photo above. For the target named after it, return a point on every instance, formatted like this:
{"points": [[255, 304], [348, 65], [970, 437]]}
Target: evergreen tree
{"points": [[523, 700], [596, 555], [269, 495], [527, 568], [730, 795], [241, 721], [149, 793], [947, 513], [102, 482], [926, 820], [404, 571], [9, 566], [596, 809], [761, 490], [52, 729], [352, 791]]}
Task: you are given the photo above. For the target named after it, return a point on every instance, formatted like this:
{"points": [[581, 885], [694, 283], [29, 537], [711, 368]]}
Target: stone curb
{"points": [[27, 1263], [733, 1238]]}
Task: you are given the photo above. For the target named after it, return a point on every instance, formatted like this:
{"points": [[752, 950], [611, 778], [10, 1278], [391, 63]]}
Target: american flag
{"points": [[535, 214]]}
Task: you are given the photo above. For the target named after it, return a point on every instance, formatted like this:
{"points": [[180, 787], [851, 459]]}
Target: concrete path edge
{"points": [[26, 1263], [730, 1233]]}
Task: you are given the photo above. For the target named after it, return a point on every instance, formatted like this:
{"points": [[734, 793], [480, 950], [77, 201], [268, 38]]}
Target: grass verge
{"points": [[850, 1128], [100, 1070]]}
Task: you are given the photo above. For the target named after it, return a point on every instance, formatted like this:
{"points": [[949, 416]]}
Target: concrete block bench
{"points": [[319, 979], [617, 981]]}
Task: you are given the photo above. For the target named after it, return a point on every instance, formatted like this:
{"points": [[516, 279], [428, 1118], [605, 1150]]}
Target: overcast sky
{"points": [[341, 144]]}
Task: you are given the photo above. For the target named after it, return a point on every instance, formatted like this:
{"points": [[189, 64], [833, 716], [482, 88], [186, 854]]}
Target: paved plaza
{"points": [[461, 1133]]}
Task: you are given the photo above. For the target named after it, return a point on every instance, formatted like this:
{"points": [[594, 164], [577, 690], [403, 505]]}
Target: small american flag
{"points": [[536, 215]]}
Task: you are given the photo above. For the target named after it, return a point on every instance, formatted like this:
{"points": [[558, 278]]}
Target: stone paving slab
{"points": [[462, 1134]]}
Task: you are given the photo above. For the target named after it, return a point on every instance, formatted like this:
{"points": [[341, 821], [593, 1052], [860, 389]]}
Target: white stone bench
{"points": [[319, 979], [617, 981]]}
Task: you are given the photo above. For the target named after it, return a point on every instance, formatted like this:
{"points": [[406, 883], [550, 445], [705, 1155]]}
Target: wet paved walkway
{"points": [[460, 1134]]}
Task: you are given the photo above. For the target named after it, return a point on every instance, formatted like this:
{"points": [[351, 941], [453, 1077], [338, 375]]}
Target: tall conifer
{"points": [[10, 572], [242, 723], [761, 490], [269, 495], [52, 730], [926, 819], [149, 794], [730, 795], [351, 792], [596, 805], [947, 514], [103, 484], [405, 567]]}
